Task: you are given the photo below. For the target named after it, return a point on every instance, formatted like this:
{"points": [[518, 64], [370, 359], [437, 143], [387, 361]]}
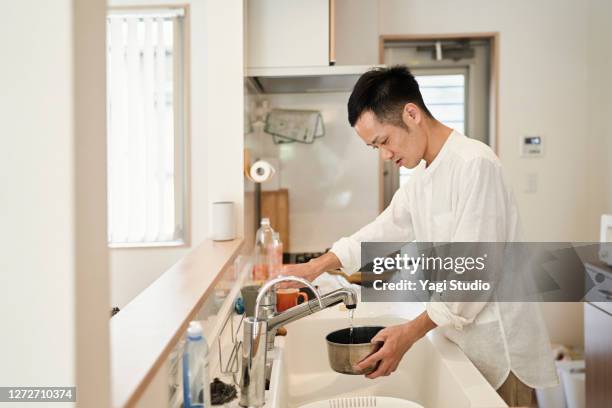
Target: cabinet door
{"points": [[287, 33], [598, 355]]}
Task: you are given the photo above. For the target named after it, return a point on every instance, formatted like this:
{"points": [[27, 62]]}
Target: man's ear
{"points": [[411, 113]]}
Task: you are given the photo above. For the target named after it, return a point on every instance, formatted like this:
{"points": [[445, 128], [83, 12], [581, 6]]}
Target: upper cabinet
{"points": [[289, 33]]}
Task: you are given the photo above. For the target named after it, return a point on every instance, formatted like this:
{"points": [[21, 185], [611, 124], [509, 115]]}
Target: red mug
{"points": [[287, 298]]}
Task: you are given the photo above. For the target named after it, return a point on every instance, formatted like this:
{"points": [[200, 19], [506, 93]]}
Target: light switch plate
{"points": [[532, 146]]}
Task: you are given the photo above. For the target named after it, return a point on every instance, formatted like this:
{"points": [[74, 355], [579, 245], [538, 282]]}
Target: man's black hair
{"points": [[385, 91]]}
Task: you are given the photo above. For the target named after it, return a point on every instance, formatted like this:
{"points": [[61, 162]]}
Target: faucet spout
{"points": [[258, 333], [271, 283], [348, 296]]}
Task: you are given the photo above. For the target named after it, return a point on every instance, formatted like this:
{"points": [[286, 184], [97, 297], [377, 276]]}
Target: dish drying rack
{"points": [[232, 364], [227, 319]]}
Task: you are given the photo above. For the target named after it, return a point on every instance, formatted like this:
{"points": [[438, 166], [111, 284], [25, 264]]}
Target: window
{"points": [[444, 96], [146, 128]]}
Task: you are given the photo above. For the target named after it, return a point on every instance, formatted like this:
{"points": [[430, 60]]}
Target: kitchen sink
{"points": [[434, 372]]}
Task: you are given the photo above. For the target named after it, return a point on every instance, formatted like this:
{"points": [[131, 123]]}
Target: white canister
{"points": [[223, 221]]}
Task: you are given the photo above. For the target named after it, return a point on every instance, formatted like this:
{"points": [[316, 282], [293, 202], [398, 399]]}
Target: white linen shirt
{"points": [[462, 197]]}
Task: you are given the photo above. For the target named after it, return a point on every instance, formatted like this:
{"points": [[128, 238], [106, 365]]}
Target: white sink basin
{"points": [[434, 372]]}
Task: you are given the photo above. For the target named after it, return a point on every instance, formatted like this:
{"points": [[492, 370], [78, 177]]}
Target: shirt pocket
{"points": [[443, 226]]}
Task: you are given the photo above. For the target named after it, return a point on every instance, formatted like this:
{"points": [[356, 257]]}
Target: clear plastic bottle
{"points": [[196, 383], [263, 241], [275, 256]]}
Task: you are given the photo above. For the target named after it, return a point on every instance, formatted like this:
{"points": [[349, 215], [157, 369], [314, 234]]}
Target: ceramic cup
{"points": [[287, 298]]}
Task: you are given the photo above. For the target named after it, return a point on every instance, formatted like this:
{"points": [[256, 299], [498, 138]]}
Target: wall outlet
{"points": [[531, 183]]}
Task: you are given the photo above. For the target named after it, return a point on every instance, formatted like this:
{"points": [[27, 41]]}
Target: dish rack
{"points": [[225, 320], [232, 365]]}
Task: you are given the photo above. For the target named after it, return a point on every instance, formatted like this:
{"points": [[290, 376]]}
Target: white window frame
{"points": [[459, 70], [181, 109], [419, 72]]}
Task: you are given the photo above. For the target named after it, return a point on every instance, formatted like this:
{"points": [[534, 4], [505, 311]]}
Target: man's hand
{"points": [[309, 270], [397, 341], [303, 270]]}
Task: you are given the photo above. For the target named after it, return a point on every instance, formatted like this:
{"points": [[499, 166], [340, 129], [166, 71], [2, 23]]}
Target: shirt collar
{"points": [[440, 157]]}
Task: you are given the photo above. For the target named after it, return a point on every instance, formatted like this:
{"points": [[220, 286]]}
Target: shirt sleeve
{"points": [[393, 224], [481, 215]]}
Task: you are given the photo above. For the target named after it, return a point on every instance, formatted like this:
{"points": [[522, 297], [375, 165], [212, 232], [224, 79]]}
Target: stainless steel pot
{"points": [[345, 350]]}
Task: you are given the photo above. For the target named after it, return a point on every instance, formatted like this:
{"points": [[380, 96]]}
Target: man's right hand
{"points": [[310, 270], [304, 270]]}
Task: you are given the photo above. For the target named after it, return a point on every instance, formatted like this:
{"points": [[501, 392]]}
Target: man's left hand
{"points": [[397, 341]]}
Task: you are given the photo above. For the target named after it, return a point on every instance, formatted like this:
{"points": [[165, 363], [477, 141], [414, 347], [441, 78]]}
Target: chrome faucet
{"points": [[259, 335]]}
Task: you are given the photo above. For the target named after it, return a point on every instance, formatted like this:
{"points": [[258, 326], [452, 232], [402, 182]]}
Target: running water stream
{"points": [[351, 316]]}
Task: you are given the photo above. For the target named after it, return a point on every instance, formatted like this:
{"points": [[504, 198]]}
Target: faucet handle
{"points": [[271, 283]]}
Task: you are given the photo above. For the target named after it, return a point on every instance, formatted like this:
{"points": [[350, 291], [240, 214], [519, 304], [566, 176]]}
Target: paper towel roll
{"points": [[261, 171]]}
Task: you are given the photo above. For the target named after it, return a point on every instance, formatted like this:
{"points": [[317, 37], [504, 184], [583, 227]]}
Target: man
{"points": [[456, 194]]}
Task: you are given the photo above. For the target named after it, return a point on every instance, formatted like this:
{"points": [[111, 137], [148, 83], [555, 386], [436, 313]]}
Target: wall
{"points": [[91, 251], [215, 140], [600, 108], [54, 276]]}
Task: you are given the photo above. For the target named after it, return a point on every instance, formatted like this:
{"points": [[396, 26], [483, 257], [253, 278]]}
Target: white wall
{"points": [[600, 107], [216, 137], [91, 251], [54, 259]]}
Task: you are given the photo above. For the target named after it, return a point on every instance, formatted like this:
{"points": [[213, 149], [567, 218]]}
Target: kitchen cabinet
{"points": [[288, 33], [598, 353]]}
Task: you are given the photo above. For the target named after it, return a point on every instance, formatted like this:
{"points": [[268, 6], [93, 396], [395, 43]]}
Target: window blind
{"points": [[142, 132]]}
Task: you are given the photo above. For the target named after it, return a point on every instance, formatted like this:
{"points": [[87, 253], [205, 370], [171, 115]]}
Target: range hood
{"points": [[336, 78]]}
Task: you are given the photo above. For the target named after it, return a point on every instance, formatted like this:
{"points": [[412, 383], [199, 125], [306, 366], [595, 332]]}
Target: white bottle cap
{"points": [[195, 331], [265, 221]]}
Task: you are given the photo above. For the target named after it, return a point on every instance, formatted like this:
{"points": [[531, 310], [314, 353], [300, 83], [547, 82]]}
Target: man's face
{"points": [[403, 145]]}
